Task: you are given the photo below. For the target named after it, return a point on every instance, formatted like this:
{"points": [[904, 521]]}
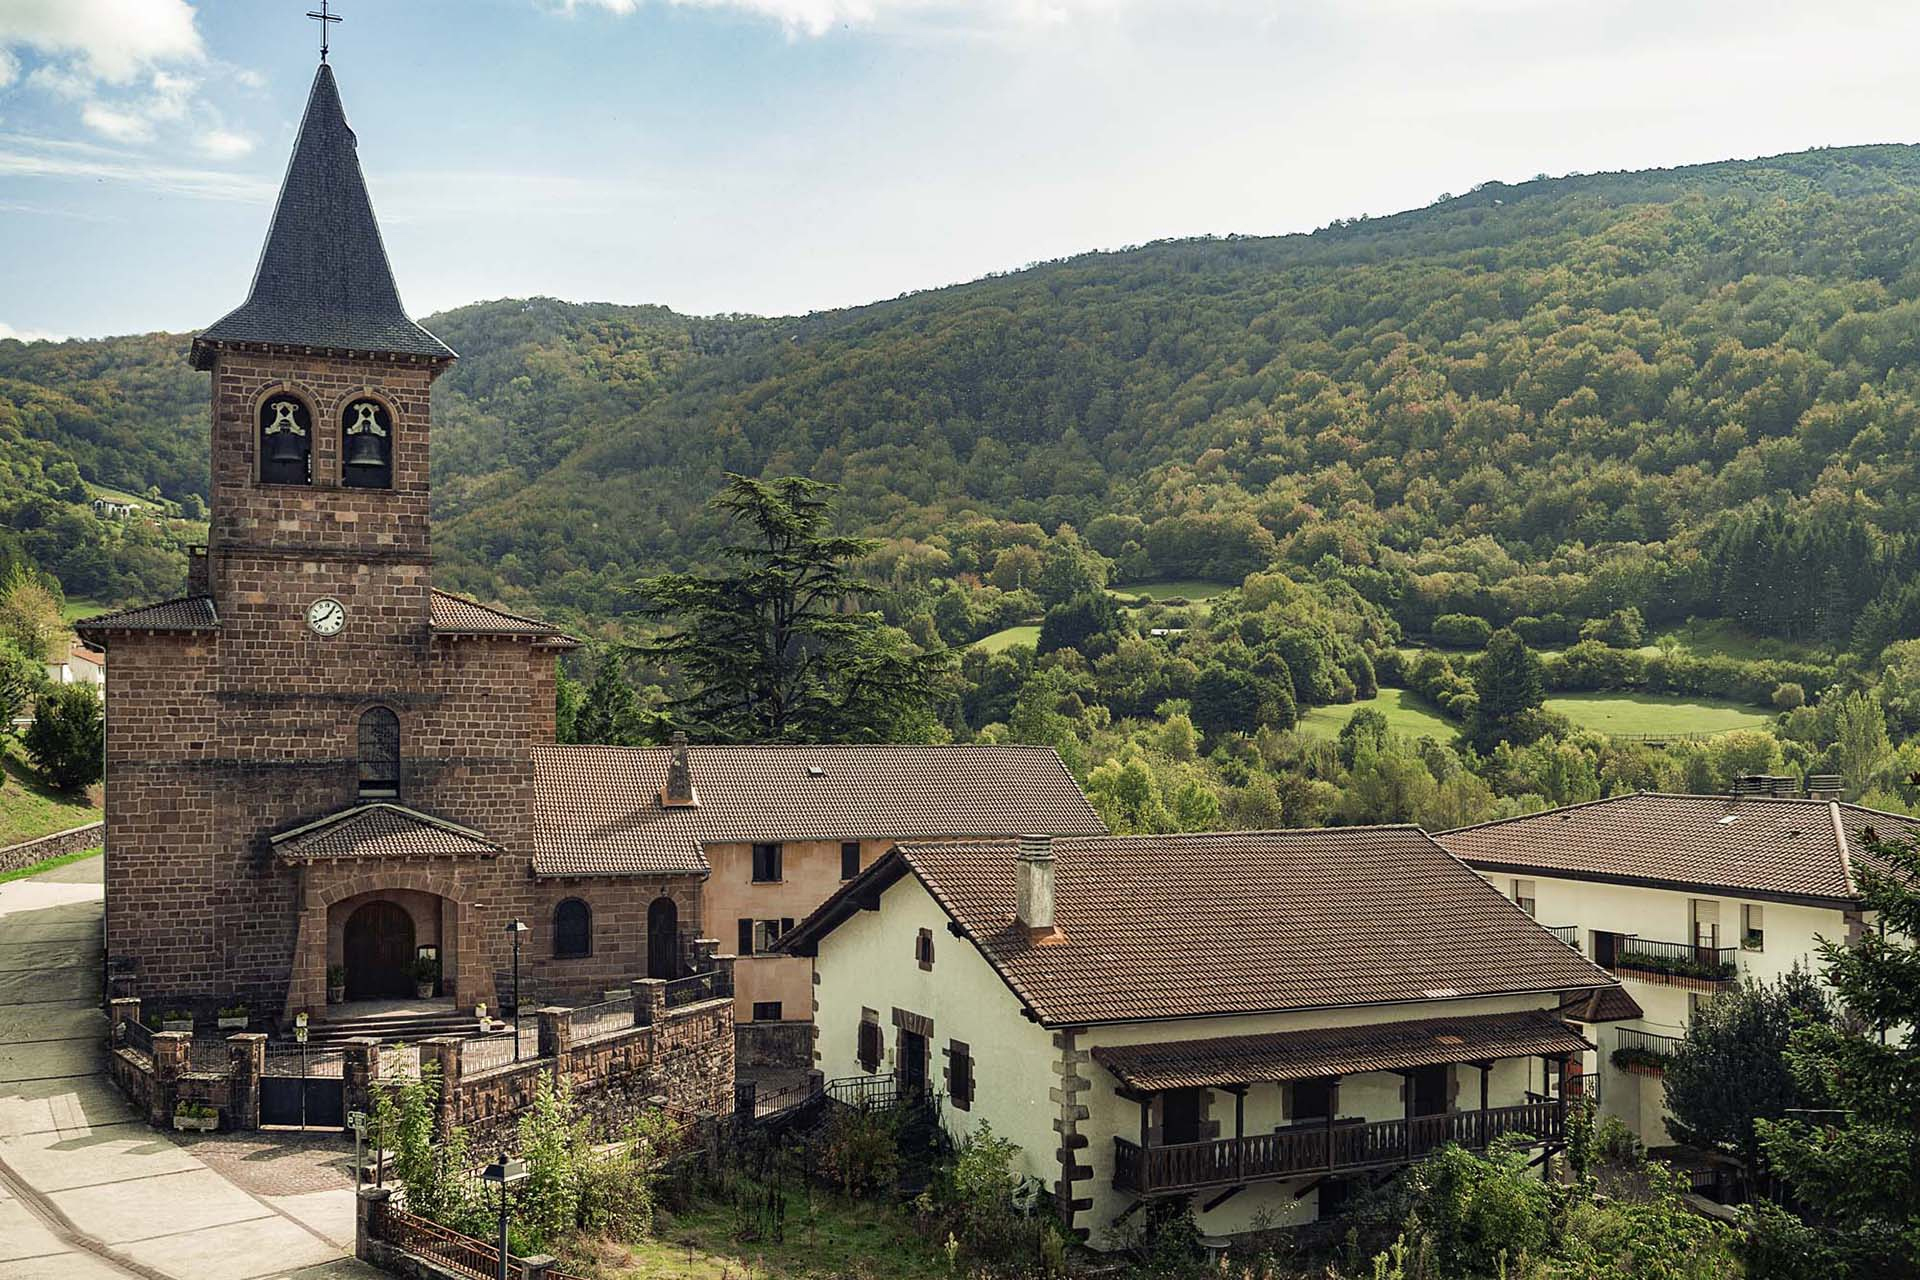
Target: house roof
{"points": [[1605, 1004], [381, 830], [189, 613], [597, 809], [450, 614], [1769, 847], [1189, 926], [1337, 1051], [323, 278]]}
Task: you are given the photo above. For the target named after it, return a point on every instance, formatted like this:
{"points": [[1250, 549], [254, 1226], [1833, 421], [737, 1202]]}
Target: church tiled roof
{"points": [[1221, 923], [381, 830], [323, 279], [597, 810], [189, 613], [457, 615], [1773, 847]]}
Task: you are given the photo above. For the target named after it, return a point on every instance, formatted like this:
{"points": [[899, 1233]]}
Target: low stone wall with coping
{"points": [[57, 845]]}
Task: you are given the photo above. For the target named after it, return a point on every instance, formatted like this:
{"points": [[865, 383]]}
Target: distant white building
{"points": [[80, 665], [1682, 897]]}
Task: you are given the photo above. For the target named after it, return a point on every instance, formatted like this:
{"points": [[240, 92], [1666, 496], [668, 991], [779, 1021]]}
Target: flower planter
{"points": [[196, 1124], [424, 990], [233, 1024], [176, 1024], [337, 995], [1643, 1069]]}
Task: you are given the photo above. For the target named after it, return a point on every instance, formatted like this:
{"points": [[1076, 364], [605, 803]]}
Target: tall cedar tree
{"points": [[1510, 682], [1855, 1167], [776, 650]]}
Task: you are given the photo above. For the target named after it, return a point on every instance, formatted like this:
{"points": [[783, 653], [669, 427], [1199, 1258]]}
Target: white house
{"points": [[1682, 896], [79, 665], [1258, 1020]]}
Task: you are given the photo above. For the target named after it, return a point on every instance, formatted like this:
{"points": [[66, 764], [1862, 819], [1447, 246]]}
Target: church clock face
{"points": [[326, 616]]}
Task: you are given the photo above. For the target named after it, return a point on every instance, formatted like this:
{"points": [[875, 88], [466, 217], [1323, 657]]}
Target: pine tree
{"points": [[1510, 682], [777, 649]]}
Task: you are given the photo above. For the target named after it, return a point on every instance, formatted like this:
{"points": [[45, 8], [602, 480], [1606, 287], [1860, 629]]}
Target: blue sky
{"points": [[777, 156]]}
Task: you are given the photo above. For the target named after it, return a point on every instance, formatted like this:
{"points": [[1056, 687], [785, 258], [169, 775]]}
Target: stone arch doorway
{"points": [[377, 949], [663, 939]]}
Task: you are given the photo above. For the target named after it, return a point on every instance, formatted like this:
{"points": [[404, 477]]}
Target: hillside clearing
{"points": [[1655, 714], [1005, 639], [29, 808], [1194, 589], [1406, 712]]}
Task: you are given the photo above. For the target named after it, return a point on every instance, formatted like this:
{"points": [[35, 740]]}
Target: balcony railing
{"points": [[1643, 1052], [1567, 933], [701, 986], [1677, 959], [1311, 1149]]}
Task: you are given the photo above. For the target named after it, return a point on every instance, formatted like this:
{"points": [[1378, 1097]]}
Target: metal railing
{"points": [[608, 1017], [139, 1036], [772, 1104], [1567, 933], [315, 1062], [458, 1253], [488, 1053], [1647, 1042], [210, 1055], [713, 985], [1676, 959], [1324, 1148], [872, 1093]]}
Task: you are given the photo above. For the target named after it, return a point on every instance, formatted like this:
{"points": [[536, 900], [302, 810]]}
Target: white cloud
{"points": [[114, 40], [223, 144], [817, 17], [9, 68], [25, 335], [28, 157], [116, 123]]}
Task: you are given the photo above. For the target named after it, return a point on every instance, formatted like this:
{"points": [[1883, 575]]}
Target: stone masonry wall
{"points": [[59, 844]]}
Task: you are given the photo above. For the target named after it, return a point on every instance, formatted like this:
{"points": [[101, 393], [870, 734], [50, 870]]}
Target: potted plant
{"points": [[195, 1117], [336, 983], [426, 975], [176, 1020], [233, 1018]]}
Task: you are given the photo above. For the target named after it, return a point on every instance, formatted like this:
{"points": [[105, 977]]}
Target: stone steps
{"points": [[387, 1028]]}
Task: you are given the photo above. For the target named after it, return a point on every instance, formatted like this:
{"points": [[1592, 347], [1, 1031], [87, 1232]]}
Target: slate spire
{"points": [[323, 278]]}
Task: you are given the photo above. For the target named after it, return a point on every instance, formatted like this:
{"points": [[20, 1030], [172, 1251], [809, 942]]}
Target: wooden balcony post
{"points": [[1240, 1132], [1486, 1069]]}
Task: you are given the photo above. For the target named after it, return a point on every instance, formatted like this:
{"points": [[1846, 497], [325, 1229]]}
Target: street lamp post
{"points": [[506, 1173], [516, 928]]}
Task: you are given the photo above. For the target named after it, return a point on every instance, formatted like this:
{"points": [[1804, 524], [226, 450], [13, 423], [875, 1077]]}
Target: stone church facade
{"points": [[315, 760]]}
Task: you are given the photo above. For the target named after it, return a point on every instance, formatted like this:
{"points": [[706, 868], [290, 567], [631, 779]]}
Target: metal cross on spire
{"points": [[324, 19]]}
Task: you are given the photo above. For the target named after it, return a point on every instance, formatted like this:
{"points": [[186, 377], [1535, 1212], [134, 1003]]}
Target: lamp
{"points": [[505, 1173], [516, 929]]}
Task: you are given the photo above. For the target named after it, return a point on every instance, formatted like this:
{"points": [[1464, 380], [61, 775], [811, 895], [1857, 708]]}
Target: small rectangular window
{"points": [[766, 863], [959, 1075], [868, 1046], [766, 1011], [746, 936], [1523, 895], [766, 934], [1753, 927], [849, 859]]}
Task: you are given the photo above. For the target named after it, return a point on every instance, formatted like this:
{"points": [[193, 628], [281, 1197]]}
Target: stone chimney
{"points": [[1824, 786], [679, 792], [1033, 884]]}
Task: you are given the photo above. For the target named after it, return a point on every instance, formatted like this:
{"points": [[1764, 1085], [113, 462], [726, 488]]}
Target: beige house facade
{"points": [[1357, 1000], [1682, 897]]}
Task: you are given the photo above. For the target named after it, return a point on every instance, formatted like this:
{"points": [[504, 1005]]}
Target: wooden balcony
{"points": [[1314, 1149]]}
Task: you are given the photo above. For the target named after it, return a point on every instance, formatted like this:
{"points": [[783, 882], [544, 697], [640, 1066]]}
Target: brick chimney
{"points": [[1033, 884], [679, 792]]}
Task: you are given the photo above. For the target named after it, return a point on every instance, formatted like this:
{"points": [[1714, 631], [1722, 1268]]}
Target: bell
{"points": [[366, 450], [286, 447]]}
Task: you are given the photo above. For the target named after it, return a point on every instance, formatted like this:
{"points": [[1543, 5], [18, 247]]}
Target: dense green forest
{"points": [[1599, 410]]}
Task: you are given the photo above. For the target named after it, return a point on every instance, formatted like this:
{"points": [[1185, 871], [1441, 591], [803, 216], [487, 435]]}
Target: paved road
{"points": [[87, 1189]]}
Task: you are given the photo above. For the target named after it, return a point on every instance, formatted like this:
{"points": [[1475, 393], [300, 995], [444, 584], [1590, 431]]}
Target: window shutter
{"points": [[959, 1075], [746, 936], [849, 859]]}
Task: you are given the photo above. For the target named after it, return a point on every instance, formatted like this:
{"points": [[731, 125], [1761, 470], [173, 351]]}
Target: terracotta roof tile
{"points": [[1761, 845], [381, 831], [1608, 1004], [1182, 926], [189, 613], [1337, 1051], [457, 615], [597, 809]]}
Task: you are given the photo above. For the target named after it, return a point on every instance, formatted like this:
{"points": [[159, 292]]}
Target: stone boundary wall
{"points": [[60, 843], [785, 1045]]}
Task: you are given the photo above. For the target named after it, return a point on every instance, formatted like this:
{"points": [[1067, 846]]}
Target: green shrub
{"points": [[860, 1154], [67, 737], [1461, 631]]}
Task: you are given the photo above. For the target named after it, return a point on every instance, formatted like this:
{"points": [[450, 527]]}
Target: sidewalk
{"points": [[89, 1190]]}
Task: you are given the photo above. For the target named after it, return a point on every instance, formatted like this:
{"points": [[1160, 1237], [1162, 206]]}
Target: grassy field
{"points": [[830, 1238], [77, 607], [28, 809], [1705, 637], [1651, 713], [21, 873], [1187, 588], [1406, 712], [1007, 638]]}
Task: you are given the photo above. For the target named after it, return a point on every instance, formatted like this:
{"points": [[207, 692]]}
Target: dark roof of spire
{"points": [[323, 278]]}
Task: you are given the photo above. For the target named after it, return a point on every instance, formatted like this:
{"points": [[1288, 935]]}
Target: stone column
{"points": [[172, 1053], [556, 1038], [444, 1053], [649, 1001], [246, 1063], [120, 1011], [360, 1068], [704, 949], [367, 1220], [538, 1267]]}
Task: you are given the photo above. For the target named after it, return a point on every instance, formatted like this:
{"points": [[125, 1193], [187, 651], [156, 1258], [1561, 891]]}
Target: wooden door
{"points": [[1429, 1086], [913, 1063], [663, 939], [377, 946], [1179, 1116]]}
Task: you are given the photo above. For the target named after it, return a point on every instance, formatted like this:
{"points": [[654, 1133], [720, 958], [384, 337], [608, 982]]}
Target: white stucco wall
{"points": [[868, 962], [1666, 915]]}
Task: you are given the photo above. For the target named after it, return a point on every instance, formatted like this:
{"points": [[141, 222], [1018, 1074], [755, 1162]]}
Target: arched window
{"points": [[572, 929], [379, 753], [286, 440], [366, 444]]}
